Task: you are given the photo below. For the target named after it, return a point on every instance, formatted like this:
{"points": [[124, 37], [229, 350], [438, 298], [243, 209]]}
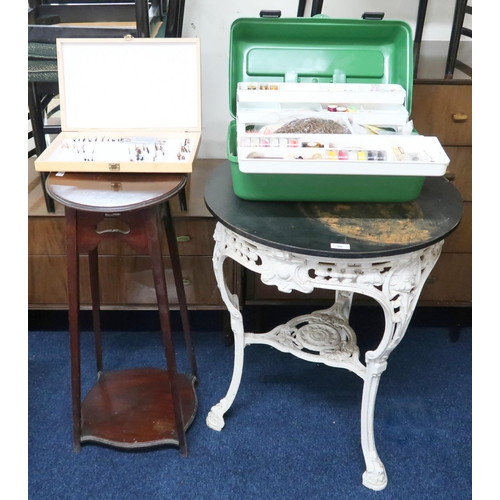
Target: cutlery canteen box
{"points": [[321, 112], [127, 105]]}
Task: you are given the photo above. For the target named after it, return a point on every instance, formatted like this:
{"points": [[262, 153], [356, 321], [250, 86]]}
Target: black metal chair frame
{"points": [[457, 30]]}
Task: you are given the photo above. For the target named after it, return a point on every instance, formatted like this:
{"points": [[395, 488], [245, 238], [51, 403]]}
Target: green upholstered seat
{"points": [[42, 62]]}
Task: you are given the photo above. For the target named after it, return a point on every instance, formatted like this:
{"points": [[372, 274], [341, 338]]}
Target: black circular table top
{"points": [[338, 230]]}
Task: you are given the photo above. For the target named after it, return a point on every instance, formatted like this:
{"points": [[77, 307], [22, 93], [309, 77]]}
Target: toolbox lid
{"points": [[129, 83], [320, 50]]}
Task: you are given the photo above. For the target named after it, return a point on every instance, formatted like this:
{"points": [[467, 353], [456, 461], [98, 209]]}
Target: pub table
{"points": [[381, 250]]}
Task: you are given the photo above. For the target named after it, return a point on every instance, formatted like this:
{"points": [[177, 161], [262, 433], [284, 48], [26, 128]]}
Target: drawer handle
{"points": [[450, 176], [431, 280], [183, 238], [459, 117], [186, 281]]}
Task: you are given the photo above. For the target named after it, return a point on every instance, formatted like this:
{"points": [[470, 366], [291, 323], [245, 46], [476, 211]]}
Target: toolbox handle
{"points": [[270, 13], [373, 16]]}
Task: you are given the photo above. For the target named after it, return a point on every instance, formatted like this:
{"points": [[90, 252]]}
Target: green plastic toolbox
{"points": [[327, 54]]}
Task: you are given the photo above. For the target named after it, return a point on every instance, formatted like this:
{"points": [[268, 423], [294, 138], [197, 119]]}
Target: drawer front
{"points": [[444, 111], [459, 171], [47, 280], [450, 280], [129, 280], [194, 237], [460, 241], [46, 236], [126, 281]]}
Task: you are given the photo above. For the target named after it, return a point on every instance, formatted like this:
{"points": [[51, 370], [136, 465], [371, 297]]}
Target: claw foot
{"points": [[376, 479], [215, 419]]}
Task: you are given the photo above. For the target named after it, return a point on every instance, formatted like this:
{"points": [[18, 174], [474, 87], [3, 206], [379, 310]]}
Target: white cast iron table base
{"points": [[325, 336]]}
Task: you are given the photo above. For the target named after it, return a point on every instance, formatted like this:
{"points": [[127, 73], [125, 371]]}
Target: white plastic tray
{"points": [[412, 155]]}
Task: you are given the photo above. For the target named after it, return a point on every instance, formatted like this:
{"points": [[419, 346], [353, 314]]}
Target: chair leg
{"points": [[456, 33], [175, 19], [155, 254], [179, 285], [183, 199], [142, 18], [96, 305], [36, 115], [74, 326], [301, 8], [419, 28], [317, 7]]}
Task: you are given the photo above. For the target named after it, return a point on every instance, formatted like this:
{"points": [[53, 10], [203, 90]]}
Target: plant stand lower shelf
{"points": [[134, 408]]}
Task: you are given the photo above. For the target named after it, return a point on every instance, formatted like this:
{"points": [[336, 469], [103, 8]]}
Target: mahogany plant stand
{"points": [[140, 407]]}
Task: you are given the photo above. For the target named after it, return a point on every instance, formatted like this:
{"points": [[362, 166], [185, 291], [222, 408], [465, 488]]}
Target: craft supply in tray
{"points": [[312, 126], [393, 155], [130, 149]]}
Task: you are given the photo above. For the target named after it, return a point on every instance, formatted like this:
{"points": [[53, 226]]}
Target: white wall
{"points": [[211, 20]]}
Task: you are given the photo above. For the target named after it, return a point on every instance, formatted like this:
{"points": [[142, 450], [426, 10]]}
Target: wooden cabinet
{"points": [[126, 278], [444, 109]]}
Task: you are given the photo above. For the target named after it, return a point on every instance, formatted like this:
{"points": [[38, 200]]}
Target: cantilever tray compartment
{"points": [[372, 104], [397, 155], [328, 128], [127, 105]]}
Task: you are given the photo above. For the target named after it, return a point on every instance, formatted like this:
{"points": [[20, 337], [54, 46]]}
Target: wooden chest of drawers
{"points": [[126, 278], [445, 111]]}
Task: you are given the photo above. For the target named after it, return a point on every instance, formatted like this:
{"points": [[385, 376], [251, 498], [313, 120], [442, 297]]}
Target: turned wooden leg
{"points": [[155, 254], [96, 305], [74, 326], [179, 285]]}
